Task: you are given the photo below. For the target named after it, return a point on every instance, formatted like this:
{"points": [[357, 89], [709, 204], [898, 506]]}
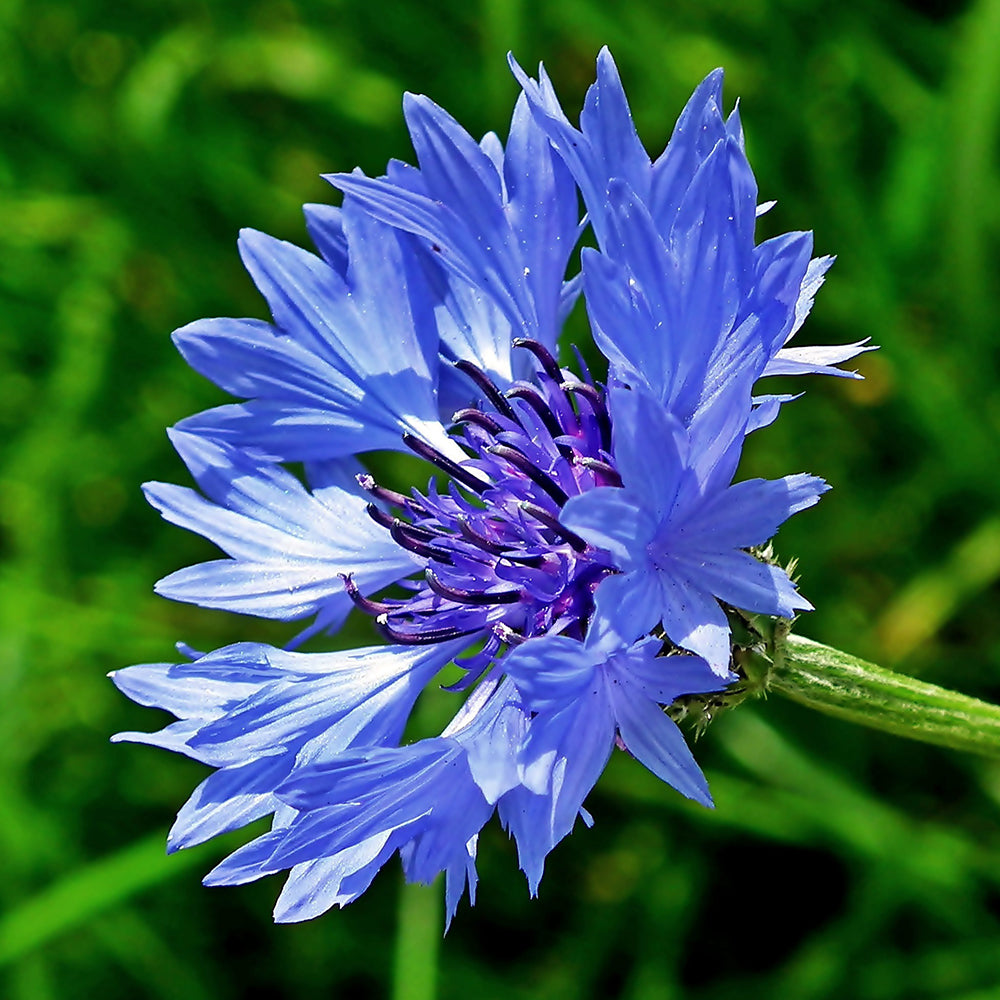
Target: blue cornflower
{"points": [[579, 546]]}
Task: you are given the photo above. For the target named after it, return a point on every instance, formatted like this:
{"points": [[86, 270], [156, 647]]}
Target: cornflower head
{"points": [[577, 548]]}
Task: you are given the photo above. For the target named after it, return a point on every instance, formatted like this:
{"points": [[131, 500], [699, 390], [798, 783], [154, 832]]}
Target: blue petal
{"points": [[745, 582], [527, 817], [325, 224], [606, 123], [766, 409], [471, 327], [459, 174], [173, 738], [359, 795], [248, 357], [550, 671], [202, 690], [605, 146], [352, 777], [313, 887], [280, 430], [628, 605], [543, 213], [812, 282], [665, 678], [698, 131], [568, 750], [749, 513], [289, 549], [643, 428], [665, 316], [718, 428], [336, 318], [780, 268], [415, 212], [562, 758], [354, 351], [246, 863], [818, 360], [633, 299], [692, 618], [712, 241], [284, 592], [488, 739], [350, 698], [504, 223], [227, 800], [454, 167], [611, 519], [656, 742]]}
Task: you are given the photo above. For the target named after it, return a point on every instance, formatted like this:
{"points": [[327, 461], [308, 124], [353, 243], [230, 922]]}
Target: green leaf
{"points": [[90, 890]]}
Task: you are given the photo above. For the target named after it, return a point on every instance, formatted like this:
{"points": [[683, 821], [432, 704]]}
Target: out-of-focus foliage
{"points": [[137, 138]]}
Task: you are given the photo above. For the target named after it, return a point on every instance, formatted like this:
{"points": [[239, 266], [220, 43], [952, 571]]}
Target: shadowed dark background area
{"points": [[136, 139]]}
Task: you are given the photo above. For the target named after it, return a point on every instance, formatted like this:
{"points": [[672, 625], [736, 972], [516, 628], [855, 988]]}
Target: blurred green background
{"points": [[137, 138]]}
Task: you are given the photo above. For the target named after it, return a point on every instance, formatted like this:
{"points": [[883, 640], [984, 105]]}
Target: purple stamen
{"points": [[480, 541], [492, 393], [476, 597], [426, 637], [453, 469], [549, 364], [496, 548], [408, 536], [379, 516], [524, 464], [477, 417], [593, 396], [533, 398], [391, 497], [603, 468], [552, 523], [366, 604], [506, 634], [503, 548]]}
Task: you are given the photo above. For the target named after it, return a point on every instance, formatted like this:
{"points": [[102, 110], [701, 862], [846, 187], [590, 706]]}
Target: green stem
{"points": [[842, 685], [418, 938]]}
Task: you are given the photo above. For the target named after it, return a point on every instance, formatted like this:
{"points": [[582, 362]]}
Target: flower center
{"points": [[498, 561]]}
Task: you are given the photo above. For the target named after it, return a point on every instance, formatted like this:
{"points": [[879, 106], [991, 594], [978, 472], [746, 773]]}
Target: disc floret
{"points": [[498, 562]]}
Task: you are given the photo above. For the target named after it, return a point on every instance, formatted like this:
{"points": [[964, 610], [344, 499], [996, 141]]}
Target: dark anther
{"points": [[552, 523], [506, 634], [603, 468], [426, 533], [379, 516], [473, 416], [480, 541], [366, 604], [368, 484], [414, 540], [495, 548], [490, 391], [534, 399], [453, 469], [596, 400], [477, 597], [426, 637], [532, 562], [525, 465], [549, 364]]}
